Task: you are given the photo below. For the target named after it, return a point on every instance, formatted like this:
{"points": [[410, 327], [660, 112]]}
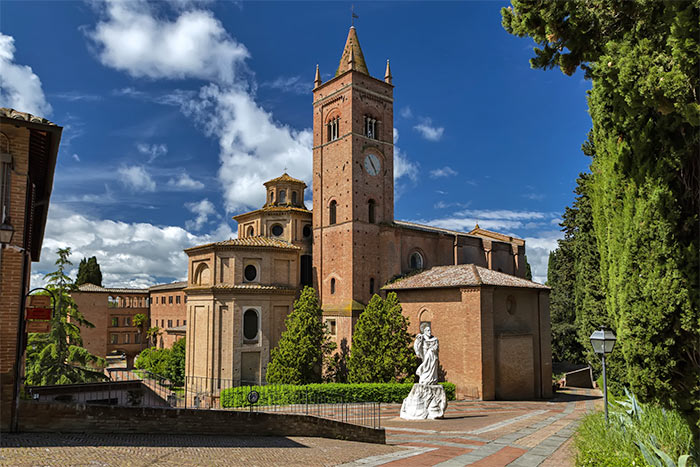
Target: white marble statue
{"points": [[427, 399], [426, 347]]}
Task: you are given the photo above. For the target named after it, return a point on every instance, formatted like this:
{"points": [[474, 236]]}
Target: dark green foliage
{"points": [[89, 272], [175, 370], [381, 346], [528, 270], [560, 277], [154, 360], [299, 356], [323, 393], [642, 58], [58, 357]]}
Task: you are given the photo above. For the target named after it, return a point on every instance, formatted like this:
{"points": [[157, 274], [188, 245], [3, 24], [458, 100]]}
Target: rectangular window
{"points": [[162, 323], [170, 323], [127, 338], [185, 298], [162, 300], [114, 338], [170, 300], [177, 323], [331, 327], [177, 300], [184, 322], [127, 321], [115, 322], [137, 338]]}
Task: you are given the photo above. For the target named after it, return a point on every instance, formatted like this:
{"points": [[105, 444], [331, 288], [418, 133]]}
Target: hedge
{"points": [[328, 393]]}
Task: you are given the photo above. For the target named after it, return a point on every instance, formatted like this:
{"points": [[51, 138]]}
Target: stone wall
{"points": [[41, 417]]}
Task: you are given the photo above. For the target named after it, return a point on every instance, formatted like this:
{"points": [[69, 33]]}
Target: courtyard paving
{"points": [[472, 433]]}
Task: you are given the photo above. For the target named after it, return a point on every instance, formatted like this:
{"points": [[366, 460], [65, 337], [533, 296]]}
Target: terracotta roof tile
{"points": [[170, 286], [352, 46], [284, 178], [429, 228], [249, 242], [97, 288], [461, 275], [242, 288], [24, 116]]}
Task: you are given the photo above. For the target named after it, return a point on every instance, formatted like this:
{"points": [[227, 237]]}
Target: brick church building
{"points": [[492, 322]]}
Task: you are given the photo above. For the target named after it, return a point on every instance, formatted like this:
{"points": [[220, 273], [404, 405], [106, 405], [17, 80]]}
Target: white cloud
{"points": [[76, 158], [428, 131], [130, 254], [406, 112], [443, 172], [292, 84], [505, 214], [185, 183], [134, 39], [153, 151], [203, 209], [403, 167], [136, 178], [20, 87], [538, 249], [254, 147]]}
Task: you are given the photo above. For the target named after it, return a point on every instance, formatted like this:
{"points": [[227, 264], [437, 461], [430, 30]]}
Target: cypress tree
{"points": [[381, 345], [89, 272], [642, 58], [298, 358]]}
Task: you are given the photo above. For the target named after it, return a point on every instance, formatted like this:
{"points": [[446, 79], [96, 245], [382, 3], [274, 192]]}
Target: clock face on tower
{"points": [[372, 164]]}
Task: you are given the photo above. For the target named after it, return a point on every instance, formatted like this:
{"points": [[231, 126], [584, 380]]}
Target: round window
{"points": [[250, 272], [416, 261], [307, 231], [277, 230], [250, 324]]}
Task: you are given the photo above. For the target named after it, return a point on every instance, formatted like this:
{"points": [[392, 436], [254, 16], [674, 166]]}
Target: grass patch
{"points": [[638, 434]]}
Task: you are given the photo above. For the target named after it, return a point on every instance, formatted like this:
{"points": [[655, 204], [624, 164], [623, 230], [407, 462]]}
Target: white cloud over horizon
{"points": [[20, 87], [137, 254]]}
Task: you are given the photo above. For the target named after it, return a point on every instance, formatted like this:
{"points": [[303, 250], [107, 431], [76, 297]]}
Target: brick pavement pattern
{"points": [[479, 433]]}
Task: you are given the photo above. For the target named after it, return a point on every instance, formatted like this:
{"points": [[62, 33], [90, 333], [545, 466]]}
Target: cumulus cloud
{"points": [[130, 254], [194, 45], [443, 172], [136, 178], [20, 87], [152, 151], [428, 131], [185, 183], [403, 167], [76, 158], [537, 249], [203, 209], [406, 112]]}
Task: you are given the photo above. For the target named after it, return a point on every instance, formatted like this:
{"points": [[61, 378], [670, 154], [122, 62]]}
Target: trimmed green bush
{"points": [[286, 394]]}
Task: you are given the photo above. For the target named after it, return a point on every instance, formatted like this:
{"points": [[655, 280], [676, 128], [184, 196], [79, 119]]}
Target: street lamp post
{"points": [[603, 341]]}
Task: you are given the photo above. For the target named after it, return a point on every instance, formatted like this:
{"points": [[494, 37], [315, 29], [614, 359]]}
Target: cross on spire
{"points": [[352, 15]]}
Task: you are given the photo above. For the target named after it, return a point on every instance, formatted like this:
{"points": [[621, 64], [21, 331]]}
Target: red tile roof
{"points": [[460, 275]]}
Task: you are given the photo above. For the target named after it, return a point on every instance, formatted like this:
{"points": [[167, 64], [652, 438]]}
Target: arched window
{"points": [[272, 196], [251, 231], [372, 208], [294, 198], [333, 285], [282, 197], [371, 285], [416, 261], [306, 231], [332, 212], [250, 324], [250, 273], [333, 128], [201, 275]]}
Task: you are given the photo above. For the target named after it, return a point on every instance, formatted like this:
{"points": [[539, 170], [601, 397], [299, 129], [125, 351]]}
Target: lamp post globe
{"points": [[6, 232], [603, 341]]}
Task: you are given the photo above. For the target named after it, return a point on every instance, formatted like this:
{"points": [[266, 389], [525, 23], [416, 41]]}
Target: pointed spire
{"points": [[352, 58], [317, 78], [387, 73]]}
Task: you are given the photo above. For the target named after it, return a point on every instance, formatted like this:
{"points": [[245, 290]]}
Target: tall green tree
{"points": [[299, 356], [89, 272], [58, 357], [175, 371], [381, 345], [642, 58]]}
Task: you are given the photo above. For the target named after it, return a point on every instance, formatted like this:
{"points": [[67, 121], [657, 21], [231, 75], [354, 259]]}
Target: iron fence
{"points": [[140, 388]]}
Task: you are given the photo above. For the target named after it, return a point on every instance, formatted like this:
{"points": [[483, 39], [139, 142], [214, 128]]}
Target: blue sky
{"points": [[175, 113]]}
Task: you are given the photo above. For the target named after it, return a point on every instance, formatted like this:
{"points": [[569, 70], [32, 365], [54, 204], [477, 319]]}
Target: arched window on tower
{"points": [[370, 127], [372, 208], [333, 285], [272, 196], [251, 231], [294, 198], [332, 212], [333, 129], [282, 197]]}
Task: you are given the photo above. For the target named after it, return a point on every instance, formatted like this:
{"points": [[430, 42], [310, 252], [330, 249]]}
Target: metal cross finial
{"points": [[353, 15], [285, 169]]}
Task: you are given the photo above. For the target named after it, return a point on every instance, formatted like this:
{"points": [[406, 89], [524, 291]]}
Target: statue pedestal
{"points": [[425, 401]]}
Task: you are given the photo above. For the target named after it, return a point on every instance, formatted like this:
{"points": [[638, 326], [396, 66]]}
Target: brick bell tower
{"points": [[353, 185]]}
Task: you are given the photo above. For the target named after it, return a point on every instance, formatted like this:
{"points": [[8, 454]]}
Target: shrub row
{"points": [[329, 393]]}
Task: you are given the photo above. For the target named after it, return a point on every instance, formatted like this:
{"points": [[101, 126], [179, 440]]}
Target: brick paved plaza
{"points": [[472, 433]]}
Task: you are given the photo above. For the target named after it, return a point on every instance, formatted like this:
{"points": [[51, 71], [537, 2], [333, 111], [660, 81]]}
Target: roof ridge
{"points": [[477, 276]]}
